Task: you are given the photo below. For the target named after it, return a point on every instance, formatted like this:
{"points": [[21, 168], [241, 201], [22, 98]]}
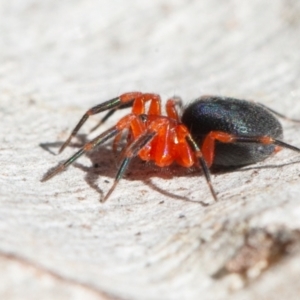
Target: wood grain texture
{"points": [[160, 236]]}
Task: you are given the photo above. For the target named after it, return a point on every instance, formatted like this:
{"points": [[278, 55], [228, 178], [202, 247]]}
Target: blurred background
{"points": [[92, 50]]}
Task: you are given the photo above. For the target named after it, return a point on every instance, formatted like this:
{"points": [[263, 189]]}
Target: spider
{"points": [[212, 130]]}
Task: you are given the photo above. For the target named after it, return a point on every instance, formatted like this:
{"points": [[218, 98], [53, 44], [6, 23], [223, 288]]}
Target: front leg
{"points": [[107, 105]]}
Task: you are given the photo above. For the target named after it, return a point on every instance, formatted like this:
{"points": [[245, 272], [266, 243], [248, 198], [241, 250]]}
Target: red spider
{"points": [[152, 136], [212, 130]]}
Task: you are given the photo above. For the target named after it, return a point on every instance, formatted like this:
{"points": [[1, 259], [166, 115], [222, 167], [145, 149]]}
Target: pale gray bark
{"points": [[160, 236]]}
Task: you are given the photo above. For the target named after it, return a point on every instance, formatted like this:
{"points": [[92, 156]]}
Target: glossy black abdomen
{"points": [[237, 117]]}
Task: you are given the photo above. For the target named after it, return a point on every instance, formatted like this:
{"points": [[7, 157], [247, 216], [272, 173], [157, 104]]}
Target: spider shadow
{"points": [[48, 146], [106, 162]]}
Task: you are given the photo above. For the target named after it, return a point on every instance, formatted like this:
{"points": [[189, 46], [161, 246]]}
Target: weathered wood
{"points": [[159, 236]]}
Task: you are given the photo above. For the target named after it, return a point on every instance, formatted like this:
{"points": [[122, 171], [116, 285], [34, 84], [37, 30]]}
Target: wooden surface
{"points": [[160, 236]]}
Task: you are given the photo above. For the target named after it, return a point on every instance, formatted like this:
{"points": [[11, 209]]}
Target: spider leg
{"points": [[279, 114], [110, 113], [171, 107], [138, 103], [135, 99], [131, 152], [94, 110], [154, 109], [266, 140], [203, 164], [100, 139], [155, 105], [130, 121], [209, 143], [107, 105]]}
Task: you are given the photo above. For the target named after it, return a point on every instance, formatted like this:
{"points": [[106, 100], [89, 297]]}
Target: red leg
{"points": [[182, 152], [161, 145], [208, 146], [171, 108], [137, 128], [155, 105], [107, 105], [138, 107], [110, 113], [159, 149], [137, 99]]}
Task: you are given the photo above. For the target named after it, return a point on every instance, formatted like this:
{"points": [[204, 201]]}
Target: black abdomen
{"points": [[237, 117]]}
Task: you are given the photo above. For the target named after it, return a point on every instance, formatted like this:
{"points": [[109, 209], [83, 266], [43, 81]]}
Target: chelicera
{"points": [[212, 130]]}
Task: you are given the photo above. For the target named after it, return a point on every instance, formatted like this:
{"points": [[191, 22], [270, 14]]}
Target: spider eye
{"points": [[143, 118]]}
